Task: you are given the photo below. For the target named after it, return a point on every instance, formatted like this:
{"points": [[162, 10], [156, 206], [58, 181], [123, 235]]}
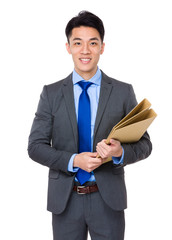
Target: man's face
{"points": [[86, 46]]}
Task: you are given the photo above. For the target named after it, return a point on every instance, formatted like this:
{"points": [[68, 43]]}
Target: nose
{"points": [[85, 49]]}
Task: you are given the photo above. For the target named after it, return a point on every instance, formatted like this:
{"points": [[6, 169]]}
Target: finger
{"points": [[90, 154], [101, 152], [103, 142], [103, 148], [94, 154], [97, 164], [95, 161], [114, 141], [93, 165]]}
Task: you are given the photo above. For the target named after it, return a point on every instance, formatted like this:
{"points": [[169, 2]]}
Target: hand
{"points": [[87, 161], [112, 150]]}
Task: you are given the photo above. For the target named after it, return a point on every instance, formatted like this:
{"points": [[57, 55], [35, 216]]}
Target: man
{"points": [[73, 119]]}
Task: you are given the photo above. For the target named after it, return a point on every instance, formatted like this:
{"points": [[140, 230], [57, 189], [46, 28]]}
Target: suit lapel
{"points": [[105, 92], [70, 105]]}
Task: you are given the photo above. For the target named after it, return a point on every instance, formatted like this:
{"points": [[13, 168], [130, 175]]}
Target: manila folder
{"points": [[132, 127]]}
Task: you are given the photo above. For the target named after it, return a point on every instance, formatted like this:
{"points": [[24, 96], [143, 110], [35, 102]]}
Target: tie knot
{"points": [[84, 85]]}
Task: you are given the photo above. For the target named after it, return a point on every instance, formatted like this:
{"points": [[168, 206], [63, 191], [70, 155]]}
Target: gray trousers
{"points": [[88, 213]]}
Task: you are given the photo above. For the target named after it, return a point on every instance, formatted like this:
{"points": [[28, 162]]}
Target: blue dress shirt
{"points": [[94, 93]]}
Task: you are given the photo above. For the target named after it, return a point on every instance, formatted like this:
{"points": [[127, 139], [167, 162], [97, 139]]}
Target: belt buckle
{"points": [[78, 188]]}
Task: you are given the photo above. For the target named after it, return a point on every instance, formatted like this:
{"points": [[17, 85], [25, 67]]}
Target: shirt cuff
{"points": [[118, 160], [70, 165]]}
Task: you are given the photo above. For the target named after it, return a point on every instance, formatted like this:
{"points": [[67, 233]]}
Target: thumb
{"points": [[92, 154], [112, 141]]}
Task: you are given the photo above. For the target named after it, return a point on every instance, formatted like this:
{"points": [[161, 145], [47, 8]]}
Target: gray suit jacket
{"points": [[54, 138]]}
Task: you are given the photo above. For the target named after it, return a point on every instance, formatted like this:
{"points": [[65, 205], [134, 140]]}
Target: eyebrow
{"points": [[91, 39], [76, 39]]}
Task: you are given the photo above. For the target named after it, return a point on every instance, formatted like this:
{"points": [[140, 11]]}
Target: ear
{"points": [[102, 48], [68, 48]]}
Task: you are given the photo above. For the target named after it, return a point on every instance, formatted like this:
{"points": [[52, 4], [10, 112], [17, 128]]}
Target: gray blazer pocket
{"points": [[53, 174]]}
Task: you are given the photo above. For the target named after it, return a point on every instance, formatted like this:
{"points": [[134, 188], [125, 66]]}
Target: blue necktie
{"points": [[84, 128]]}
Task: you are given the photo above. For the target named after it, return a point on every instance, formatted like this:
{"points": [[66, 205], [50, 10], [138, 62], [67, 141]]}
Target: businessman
{"points": [[73, 119]]}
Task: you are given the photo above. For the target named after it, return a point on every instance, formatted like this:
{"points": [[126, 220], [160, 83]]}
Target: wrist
{"points": [[119, 152], [75, 161]]}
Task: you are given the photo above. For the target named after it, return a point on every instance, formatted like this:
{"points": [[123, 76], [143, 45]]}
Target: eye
{"points": [[93, 43], [77, 43]]}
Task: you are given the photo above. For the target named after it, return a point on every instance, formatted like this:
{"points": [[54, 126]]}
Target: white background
{"points": [[32, 53]]}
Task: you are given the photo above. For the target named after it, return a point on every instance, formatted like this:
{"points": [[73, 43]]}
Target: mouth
{"points": [[85, 60]]}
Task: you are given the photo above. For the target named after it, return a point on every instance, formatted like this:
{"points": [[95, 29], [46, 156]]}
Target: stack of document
{"points": [[132, 127]]}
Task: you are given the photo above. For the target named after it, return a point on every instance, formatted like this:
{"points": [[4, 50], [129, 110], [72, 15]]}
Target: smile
{"points": [[85, 60]]}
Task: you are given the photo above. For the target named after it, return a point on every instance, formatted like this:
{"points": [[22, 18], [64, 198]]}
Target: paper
{"points": [[132, 127]]}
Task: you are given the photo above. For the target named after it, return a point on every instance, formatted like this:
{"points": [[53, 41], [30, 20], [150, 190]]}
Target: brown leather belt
{"points": [[85, 190]]}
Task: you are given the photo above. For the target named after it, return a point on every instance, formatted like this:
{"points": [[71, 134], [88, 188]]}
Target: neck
{"points": [[87, 75]]}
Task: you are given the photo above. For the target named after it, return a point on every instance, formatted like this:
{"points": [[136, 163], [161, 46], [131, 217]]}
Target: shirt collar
{"points": [[96, 79]]}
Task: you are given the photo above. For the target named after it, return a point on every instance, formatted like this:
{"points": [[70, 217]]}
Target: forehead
{"points": [[85, 33]]}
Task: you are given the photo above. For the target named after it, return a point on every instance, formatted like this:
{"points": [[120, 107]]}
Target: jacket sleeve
{"points": [[140, 150], [39, 147]]}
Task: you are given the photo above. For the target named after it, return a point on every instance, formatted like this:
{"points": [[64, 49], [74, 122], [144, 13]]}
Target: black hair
{"points": [[87, 19]]}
